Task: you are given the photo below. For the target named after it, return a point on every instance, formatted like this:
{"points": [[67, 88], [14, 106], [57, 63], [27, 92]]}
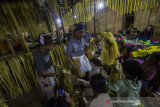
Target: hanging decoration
{"points": [[83, 11], [21, 18]]}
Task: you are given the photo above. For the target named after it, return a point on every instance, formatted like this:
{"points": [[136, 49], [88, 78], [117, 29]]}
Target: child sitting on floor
{"points": [[98, 84], [128, 87], [125, 54], [100, 95]]}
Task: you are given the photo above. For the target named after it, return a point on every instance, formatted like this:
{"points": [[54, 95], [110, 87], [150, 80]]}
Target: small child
{"points": [[128, 87], [125, 54], [100, 95], [120, 44]]}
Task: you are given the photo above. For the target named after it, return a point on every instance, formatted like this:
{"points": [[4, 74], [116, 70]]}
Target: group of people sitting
{"points": [[150, 66], [135, 75], [147, 32]]}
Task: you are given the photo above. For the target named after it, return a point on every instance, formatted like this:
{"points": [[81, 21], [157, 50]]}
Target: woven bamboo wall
{"points": [[149, 18], [108, 20], [105, 20]]}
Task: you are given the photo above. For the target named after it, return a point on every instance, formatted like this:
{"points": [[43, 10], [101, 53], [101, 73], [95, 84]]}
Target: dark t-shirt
{"points": [[42, 61]]}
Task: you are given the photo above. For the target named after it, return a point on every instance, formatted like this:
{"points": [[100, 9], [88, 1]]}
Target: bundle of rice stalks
{"points": [[17, 75], [109, 49], [22, 18], [58, 56]]}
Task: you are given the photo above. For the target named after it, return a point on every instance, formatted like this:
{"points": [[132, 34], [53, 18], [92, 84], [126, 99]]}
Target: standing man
{"points": [[75, 52], [44, 68]]}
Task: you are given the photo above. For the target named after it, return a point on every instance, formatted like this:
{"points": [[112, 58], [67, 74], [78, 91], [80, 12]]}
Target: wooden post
{"points": [[106, 20], [123, 17], [73, 16], [55, 20], [156, 22], [99, 22], [94, 17], [61, 21], [85, 15], [113, 21], [149, 16]]}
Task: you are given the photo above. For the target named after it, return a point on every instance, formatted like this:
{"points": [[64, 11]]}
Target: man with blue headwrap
{"points": [[76, 51]]}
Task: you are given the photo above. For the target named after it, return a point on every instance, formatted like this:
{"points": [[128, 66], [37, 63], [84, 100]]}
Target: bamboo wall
{"points": [[149, 18], [105, 20], [108, 20]]}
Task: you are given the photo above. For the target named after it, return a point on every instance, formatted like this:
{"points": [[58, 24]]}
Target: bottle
{"points": [[136, 41]]}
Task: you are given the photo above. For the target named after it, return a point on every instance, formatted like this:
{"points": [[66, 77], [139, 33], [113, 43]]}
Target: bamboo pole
{"points": [[6, 38]]}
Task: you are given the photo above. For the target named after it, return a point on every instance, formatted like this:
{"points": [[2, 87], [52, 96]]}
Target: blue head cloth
{"points": [[79, 26]]}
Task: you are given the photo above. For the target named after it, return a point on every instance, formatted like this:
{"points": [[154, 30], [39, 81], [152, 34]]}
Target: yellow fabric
{"points": [[114, 75], [2, 103], [78, 72], [88, 54], [109, 52], [145, 52]]}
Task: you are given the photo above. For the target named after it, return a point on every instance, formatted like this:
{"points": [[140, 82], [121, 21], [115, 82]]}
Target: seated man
{"points": [[148, 32], [135, 32], [44, 68]]}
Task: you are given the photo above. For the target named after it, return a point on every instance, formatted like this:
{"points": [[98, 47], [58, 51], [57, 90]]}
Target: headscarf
{"points": [[79, 26]]}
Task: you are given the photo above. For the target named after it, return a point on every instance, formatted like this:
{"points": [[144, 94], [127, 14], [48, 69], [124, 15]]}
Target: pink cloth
{"points": [[151, 76], [149, 71], [129, 58]]}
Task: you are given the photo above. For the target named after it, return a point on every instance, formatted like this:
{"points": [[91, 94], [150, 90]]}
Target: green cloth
{"points": [[128, 89]]}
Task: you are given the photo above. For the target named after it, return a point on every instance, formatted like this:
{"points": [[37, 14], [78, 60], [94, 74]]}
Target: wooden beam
{"points": [[94, 17]]}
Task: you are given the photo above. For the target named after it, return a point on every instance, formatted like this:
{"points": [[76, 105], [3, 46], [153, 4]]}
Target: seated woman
{"points": [[98, 84], [120, 44], [76, 53], [128, 87], [125, 54], [148, 32], [151, 67]]}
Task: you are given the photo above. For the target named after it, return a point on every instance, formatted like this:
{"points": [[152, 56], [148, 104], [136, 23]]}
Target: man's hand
{"points": [[69, 99], [71, 77]]}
